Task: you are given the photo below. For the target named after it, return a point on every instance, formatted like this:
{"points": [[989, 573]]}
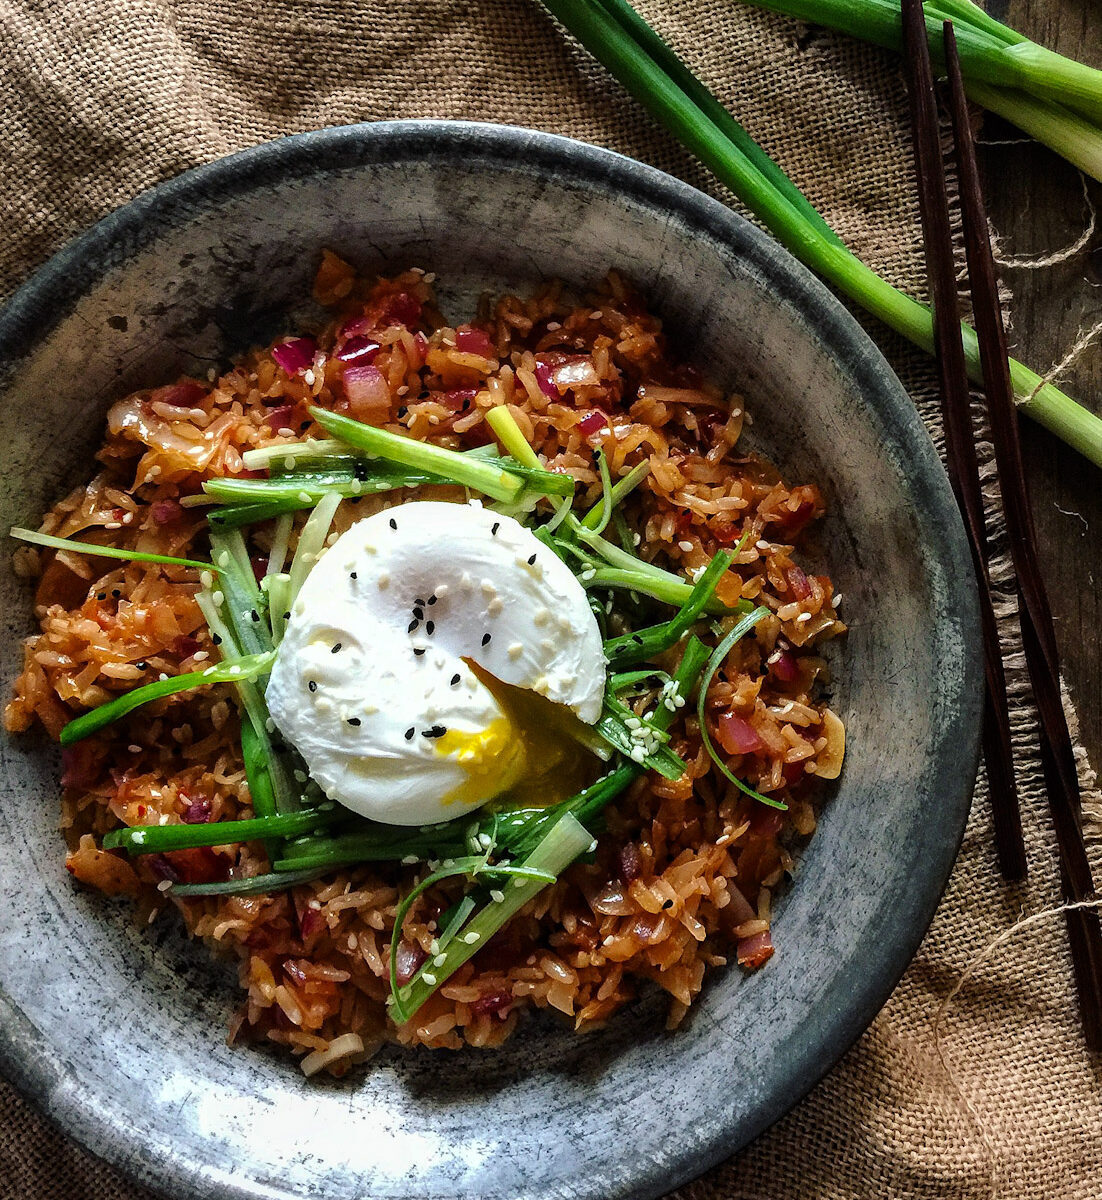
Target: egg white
{"points": [[396, 725]]}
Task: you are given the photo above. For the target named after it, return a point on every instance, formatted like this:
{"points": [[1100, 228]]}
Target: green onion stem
{"points": [[621, 489], [254, 885], [154, 839], [106, 714], [613, 45], [644, 644], [75, 547], [719, 654], [484, 476], [565, 840], [504, 424]]}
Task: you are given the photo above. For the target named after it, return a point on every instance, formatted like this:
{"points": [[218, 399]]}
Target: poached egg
{"points": [[433, 661]]}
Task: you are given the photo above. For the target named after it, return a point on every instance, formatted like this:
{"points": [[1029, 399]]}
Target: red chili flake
{"points": [[260, 568], [166, 511], [496, 1003]]}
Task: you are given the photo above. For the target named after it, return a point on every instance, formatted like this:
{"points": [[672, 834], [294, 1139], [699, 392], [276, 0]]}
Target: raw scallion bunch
{"points": [[1052, 98], [623, 42]]}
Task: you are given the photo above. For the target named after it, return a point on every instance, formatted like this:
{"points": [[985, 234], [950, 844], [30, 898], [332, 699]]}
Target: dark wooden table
{"points": [[1036, 203]]}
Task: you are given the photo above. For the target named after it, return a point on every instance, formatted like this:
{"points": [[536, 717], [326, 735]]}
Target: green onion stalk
{"points": [[615, 34], [1052, 98]]}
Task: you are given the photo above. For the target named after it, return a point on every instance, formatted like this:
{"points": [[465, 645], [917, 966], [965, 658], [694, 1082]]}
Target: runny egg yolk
{"points": [[527, 759]]}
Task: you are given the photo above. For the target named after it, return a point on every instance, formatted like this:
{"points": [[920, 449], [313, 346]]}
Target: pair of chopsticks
{"points": [[1035, 616]]}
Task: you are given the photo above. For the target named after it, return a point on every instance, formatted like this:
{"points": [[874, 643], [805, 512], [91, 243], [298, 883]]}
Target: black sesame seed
{"points": [[419, 613], [430, 628], [402, 411], [455, 679], [494, 528], [255, 615], [101, 595], [418, 601], [485, 639], [532, 560], [352, 575], [286, 616], [359, 471], [432, 598], [393, 523], [142, 665], [636, 638], [116, 592], [216, 639], [466, 405], [353, 720], [418, 651], [667, 904], [409, 733], [336, 648], [312, 685], [412, 625], [437, 731]]}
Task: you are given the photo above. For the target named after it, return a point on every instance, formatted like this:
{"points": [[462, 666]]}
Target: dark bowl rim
{"points": [[56, 287]]}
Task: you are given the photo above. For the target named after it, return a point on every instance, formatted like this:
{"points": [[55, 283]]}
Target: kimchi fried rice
{"points": [[684, 870]]}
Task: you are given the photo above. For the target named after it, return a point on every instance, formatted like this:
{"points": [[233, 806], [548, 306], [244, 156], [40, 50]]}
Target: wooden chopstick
{"points": [[960, 448], [1035, 616]]}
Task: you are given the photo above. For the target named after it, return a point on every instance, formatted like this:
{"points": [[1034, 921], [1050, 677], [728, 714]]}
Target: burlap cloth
{"points": [[102, 98]]}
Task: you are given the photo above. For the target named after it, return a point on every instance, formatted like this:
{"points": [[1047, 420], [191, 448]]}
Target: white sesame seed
{"points": [[802, 618], [553, 326], [429, 979], [762, 545], [685, 546], [288, 462], [409, 860], [308, 375], [518, 882], [516, 650], [113, 525], [496, 896], [304, 497], [439, 960], [200, 656], [495, 607], [441, 591], [134, 748], [836, 601], [164, 885], [206, 579], [472, 937]]}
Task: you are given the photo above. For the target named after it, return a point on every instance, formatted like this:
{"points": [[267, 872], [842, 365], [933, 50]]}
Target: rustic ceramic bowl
{"points": [[118, 1032]]}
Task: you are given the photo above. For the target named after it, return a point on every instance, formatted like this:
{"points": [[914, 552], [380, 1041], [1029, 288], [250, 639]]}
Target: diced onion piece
{"points": [[829, 763], [474, 341], [339, 1047], [736, 735], [367, 392], [753, 951], [296, 354], [592, 422]]}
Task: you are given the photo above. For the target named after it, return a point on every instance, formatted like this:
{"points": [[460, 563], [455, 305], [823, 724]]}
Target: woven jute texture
{"points": [[102, 98]]}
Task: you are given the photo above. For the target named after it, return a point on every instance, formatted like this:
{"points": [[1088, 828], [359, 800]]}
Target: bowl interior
{"points": [[116, 1029]]}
